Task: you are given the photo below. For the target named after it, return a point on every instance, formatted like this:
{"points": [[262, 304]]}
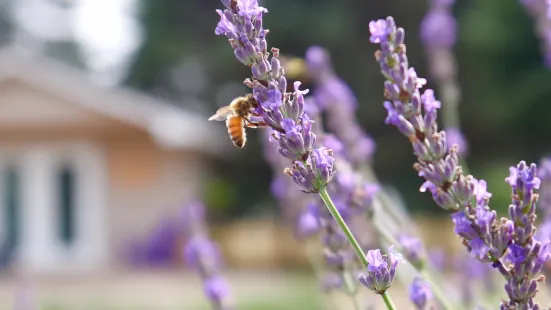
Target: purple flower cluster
{"points": [[241, 23], [486, 237], [159, 247], [420, 293], [412, 249], [438, 29], [526, 254], [335, 97], [203, 255], [381, 270]]}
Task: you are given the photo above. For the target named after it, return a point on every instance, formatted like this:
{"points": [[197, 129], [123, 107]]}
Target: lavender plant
{"points": [[352, 194], [203, 255], [337, 268], [507, 244], [420, 293], [386, 219], [312, 168]]}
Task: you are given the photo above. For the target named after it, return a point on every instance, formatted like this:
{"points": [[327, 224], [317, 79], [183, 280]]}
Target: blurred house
{"points": [[83, 168]]}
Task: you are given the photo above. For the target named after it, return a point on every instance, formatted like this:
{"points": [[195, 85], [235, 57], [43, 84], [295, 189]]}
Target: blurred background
{"points": [[104, 138]]}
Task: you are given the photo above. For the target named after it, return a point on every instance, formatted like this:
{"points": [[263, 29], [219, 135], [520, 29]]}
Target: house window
{"points": [[12, 204], [66, 204]]}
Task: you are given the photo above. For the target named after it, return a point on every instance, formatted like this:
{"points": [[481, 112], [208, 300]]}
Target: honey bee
{"points": [[238, 116]]}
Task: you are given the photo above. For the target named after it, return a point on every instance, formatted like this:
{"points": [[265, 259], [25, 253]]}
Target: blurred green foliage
{"points": [[505, 87]]}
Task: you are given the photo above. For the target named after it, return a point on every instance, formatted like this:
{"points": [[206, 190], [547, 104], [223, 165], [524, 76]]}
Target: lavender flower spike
{"points": [[526, 254], [203, 255], [420, 293], [412, 249], [316, 173], [381, 270], [241, 23], [485, 237]]}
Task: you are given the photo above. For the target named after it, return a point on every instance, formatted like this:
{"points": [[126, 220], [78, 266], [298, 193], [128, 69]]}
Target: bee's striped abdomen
{"points": [[236, 129]]}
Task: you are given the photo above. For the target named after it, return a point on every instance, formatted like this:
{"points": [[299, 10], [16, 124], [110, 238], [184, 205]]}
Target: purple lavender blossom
{"points": [[420, 293], [438, 29], [241, 23], [335, 97], [216, 289], [203, 255], [381, 270], [159, 248], [526, 254], [315, 173], [412, 249], [486, 238], [331, 281], [308, 222]]}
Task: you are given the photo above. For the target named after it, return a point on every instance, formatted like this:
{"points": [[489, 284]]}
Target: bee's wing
{"points": [[221, 114]]}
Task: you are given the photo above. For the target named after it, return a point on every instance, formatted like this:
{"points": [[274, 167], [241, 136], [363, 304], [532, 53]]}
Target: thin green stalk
{"points": [[338, 218], [388, 301], [355, 245]]}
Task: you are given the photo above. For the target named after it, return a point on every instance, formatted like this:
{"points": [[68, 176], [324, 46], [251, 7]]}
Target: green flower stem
{"points": [[355, 245], [338, 218], [388, 301]]}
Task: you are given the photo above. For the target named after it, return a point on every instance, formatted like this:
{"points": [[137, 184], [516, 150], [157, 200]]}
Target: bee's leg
{"points": [[259, 124]]}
